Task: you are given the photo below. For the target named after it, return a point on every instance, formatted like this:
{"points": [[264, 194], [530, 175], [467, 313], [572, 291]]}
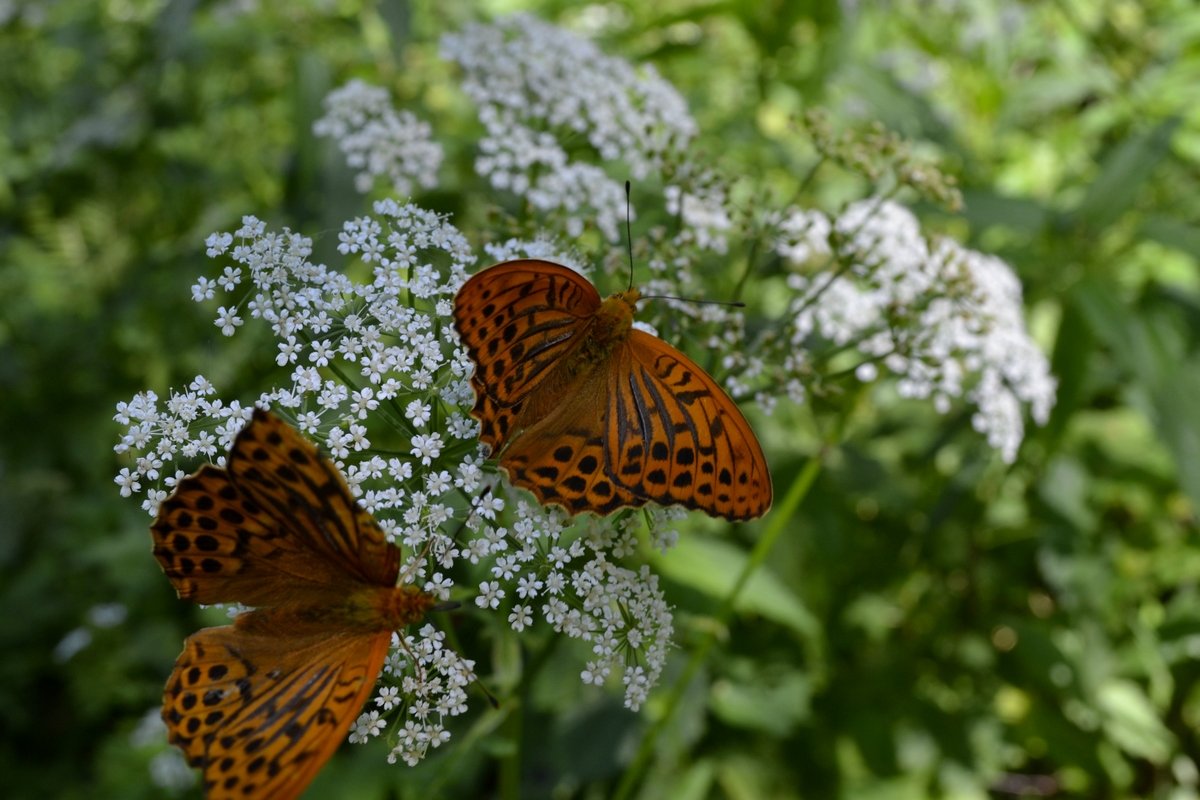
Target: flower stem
{"points": [[510, 762], [780, 516]]}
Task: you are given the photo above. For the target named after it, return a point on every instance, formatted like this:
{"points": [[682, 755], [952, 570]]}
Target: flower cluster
{"points": [[947, 321], [573, 578], [429, 681], [538, 87], [370, 364], [378, 140]]}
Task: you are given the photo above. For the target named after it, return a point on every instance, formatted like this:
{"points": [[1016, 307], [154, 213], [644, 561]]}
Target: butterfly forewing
{"points": [[285, 475], [519, 320], [216, 545], [261, 705]]}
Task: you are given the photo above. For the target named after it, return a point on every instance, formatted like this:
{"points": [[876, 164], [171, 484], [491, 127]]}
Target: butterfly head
{"points": [[615, 317], [394, 607]]}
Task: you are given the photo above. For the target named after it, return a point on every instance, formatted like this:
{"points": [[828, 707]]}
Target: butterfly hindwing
{"points": [[653, 428], [675, 436], [519, 320], [261, 705], [563, 459]]}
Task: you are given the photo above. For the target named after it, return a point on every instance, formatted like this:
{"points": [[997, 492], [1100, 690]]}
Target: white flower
{"points": [[217, 244], [427, 448], [439, 585], [490, 595], [368, 725], [388, 697], [418, 412], [230, 278], [128, 482], [227, 320], [520, 618], [379, 140], [203, 289], [528, 587]]}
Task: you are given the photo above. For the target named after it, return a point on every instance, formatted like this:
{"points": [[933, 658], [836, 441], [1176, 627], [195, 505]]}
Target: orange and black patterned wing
{"points": [[673, 435], [518, 320], [217, 545], [649, 426], [563, 460], [259, 708], [287, 526], [284, 474]]}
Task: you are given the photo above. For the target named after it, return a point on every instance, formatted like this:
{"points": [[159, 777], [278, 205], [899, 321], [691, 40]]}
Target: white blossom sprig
{"points": [[538, 87], [378, 140], [947, 322], [373, 370]]}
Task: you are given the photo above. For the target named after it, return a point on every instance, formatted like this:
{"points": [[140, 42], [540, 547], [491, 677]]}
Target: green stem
{"points": [[510, 763], [781, 515]]}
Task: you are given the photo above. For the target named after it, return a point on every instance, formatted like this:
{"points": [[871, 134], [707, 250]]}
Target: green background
{"points": [[932, 623]]}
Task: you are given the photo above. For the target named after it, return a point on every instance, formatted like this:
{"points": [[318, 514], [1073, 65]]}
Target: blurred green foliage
{"points": [[933, 623]]}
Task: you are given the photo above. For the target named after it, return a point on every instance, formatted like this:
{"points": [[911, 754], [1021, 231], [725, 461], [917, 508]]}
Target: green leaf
{"points": [[1065, 489], [774, 707], [1172, 233], [1149, 349], [695, 783], [711, 567], [1121, 174], [1132, 722], [984, 208], [1178, 422], [1072, 355]]}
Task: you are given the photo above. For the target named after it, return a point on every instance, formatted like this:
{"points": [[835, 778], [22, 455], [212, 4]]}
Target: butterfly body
{"points": [[261, 704], [365, 607], [591, 414]]}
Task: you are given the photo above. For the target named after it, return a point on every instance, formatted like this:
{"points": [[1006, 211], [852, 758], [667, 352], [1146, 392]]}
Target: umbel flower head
{"points": [[537, 87], [379, 140], [373, 363], [946, 321]]}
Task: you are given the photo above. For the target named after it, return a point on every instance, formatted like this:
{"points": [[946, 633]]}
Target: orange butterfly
{"points": [[260, 705], [593, 415]]}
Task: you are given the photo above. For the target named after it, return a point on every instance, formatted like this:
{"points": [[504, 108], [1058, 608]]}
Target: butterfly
{"points": [[591, 414], [260, 705]]}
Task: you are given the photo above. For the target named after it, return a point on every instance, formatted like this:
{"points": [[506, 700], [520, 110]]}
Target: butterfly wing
{"points": [[563, 459], [278, 522], [650, 426], [261, 705], [518, 320], [675, 436]]}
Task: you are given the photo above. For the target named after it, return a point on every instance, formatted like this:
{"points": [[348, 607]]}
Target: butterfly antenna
{"points": [[629, 246], [491, 698], [733, 303], [628, 235], [412, 658]]}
